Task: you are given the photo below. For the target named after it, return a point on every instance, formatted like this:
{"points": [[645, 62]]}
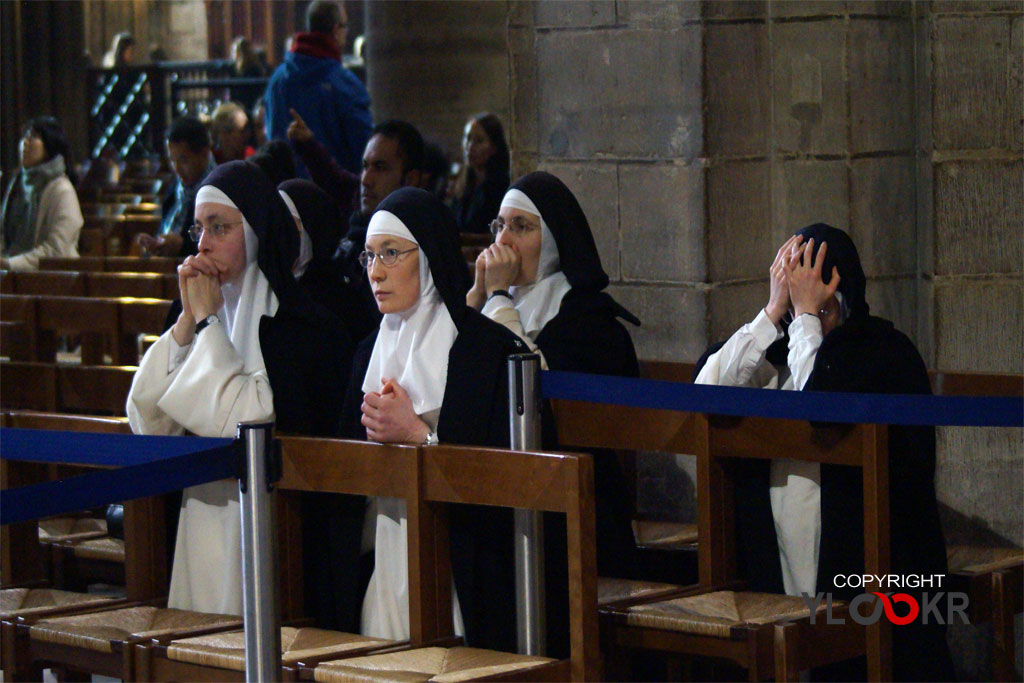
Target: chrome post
{"points": [[524, 423], [259, 557]]}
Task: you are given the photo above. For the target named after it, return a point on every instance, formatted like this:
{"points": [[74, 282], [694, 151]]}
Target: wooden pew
{"points": [[106, 324], [91, 284], [429, 478], [113, 264], [78, 389]]}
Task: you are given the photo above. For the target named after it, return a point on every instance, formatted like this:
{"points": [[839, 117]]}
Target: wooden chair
{"points": [[221, 656], [750, 644], [36, 603], [103, 642]]}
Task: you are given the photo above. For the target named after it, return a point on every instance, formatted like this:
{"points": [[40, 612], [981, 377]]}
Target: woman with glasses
{"points": [[248, 345], [40, 214], [542, 279], [435, 371]]}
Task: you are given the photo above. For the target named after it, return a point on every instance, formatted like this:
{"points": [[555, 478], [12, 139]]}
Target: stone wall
{"points": [[699, 135]]}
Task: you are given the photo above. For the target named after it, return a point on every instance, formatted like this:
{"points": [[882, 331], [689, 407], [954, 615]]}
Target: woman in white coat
{"points": [[40, 215], [214, 366]]}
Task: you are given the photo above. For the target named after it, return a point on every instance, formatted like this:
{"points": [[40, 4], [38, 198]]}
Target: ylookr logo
{"points": [[929, 609]]}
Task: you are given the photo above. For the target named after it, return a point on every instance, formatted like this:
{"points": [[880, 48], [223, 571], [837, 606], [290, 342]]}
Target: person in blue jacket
{"points": [[312, 82]]}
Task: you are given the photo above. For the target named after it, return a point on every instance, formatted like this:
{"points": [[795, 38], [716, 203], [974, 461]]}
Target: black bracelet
{"points": [[498, 292]]}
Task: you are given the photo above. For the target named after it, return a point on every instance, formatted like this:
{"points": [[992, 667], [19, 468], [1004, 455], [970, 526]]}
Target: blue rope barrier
{"points": [[815, 406], [88, 448], [108, 486]]}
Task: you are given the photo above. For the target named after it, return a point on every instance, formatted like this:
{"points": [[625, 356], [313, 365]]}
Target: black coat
{"points": [[864, 355], [474, 412]]}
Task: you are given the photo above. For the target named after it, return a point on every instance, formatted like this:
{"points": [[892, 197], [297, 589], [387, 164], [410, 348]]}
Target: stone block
{"points": [[923, 82], [974, 474], [925, 215], [1015, 112], [732, 306], [734, 9], [979, 210], [882, 214], [979, 324], [574, 13], [895, 299], [971, 75], [522, 129], [596, 189], [736, 63], [521, 13], [662, 220], [807, 8], [974, 6], [881, 85], [657, 13], [809, 87], [880, 8], [739, 232], [600, 96], [925, 336], [807, 192], [672, 321]]}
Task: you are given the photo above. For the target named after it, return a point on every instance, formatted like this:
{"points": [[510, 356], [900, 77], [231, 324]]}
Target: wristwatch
{"points": [[206, 322], [499, 292], [431, 439]]}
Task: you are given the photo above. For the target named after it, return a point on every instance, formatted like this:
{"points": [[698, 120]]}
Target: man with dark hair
{"points": [[313, 83], [188, 149]]}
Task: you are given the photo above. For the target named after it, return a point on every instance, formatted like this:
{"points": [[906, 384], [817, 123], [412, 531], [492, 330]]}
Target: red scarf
{"points": [[315, 44]]}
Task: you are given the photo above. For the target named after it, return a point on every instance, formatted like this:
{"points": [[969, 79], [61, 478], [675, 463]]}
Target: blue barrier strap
{"points": [[815, 406], [87, 448], [112, 486]]}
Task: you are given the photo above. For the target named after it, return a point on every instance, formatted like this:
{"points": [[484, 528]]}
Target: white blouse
{"points": [[795, 484]]}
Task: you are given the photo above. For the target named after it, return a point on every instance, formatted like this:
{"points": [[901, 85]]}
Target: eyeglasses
{"points": [[388, 257], [217, 230], [518, 226]]}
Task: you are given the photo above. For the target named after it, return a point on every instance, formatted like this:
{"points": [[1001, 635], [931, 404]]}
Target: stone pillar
{"points": [[436, 64]]}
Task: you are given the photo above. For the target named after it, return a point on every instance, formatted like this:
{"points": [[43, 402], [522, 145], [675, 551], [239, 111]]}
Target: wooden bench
{"points": [[91, 284], [429, 478], [107, 325], [76, 389], [113, 264]]}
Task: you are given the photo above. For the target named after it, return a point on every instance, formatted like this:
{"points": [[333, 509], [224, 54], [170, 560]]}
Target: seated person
{"points": [[435, 371], [258, 352], [484, 176], [542, 278], [41, 216], [800, 524], [320, 225], [188, 149]]}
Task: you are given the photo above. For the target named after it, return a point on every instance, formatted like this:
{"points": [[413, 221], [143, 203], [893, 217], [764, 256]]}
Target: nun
{"points": [[542, 279], [247, 345], [435, 371], [800, 524], [320, 222]]}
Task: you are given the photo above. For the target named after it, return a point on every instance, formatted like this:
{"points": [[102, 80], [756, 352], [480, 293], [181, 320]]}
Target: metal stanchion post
{"points": [[259, 557], [524, 421]]}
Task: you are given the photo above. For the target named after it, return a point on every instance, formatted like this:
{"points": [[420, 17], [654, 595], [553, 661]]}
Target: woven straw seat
{"points": [[611, 590], [664, 534], [227, 650], [718, 613], [97, 631], [57, 529], [981, 560], [106, 548], [17, 602], [443, 665]]}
